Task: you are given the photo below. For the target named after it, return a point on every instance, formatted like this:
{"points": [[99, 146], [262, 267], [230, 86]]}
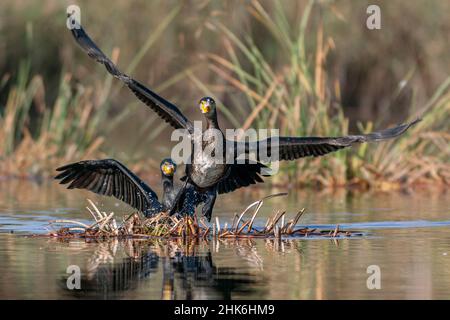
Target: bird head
{"points": [[207, 105], [168, 167]]}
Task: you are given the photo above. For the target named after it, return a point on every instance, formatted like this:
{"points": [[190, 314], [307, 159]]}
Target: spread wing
{"points": [[291, 148], [110, 178], [166, 110]]}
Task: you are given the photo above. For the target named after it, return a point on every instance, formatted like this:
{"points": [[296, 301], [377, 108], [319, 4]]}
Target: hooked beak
{"points": [[168, 169], [205, 107]]}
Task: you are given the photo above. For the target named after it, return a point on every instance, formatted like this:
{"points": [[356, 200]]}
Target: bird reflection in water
{"points": [[189, 269]]}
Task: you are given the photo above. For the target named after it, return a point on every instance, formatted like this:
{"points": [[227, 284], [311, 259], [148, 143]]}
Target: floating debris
{"points": [[165, 226]]}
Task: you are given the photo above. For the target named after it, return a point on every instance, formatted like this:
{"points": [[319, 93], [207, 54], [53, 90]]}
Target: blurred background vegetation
{"points": [[306, 67]]}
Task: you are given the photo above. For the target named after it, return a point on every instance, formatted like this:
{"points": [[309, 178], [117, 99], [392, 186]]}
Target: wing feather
{"points": [[291, 148]]}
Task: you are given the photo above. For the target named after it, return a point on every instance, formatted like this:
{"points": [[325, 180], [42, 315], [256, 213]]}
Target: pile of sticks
{"points": [[163, 225]]}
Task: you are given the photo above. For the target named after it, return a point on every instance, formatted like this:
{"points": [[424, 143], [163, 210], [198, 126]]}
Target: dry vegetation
{"points": [[287, 65], [105, 226], [299, 97], [63, 132]]}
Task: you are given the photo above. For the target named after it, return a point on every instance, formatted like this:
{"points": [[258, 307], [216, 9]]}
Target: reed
{"points": [[36, 137], [33, 136], [301, 99], [269, 68]]}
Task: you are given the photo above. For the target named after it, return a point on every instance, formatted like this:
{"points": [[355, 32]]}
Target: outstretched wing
{"points": [[166, 110], [290, 148], [110, 178]]}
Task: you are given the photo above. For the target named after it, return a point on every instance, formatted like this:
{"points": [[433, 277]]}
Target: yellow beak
{"points": [[205, 107], [168, 169]]}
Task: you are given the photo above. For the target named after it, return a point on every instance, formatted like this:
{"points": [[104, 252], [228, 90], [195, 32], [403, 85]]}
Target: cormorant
{"points": [[210, 177], [111, 178]]}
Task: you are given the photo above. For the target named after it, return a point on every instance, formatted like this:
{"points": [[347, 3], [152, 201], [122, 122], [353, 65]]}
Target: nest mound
{"points": [[163, 225]]}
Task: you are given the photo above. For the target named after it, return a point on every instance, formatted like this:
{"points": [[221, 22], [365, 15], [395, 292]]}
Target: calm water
{"points": [[406, 234]]}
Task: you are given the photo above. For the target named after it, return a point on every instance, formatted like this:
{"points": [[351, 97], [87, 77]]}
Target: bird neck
{"points": [[211, 122], [167, 182]]}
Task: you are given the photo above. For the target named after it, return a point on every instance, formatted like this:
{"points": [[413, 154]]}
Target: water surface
{"points": [[406, 234]]}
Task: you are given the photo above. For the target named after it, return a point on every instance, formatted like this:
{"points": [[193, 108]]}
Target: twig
{"points": [[69, 221]]}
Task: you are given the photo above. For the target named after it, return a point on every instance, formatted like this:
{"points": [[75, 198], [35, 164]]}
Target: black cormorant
{"points": [[210, 177], [111, 178]]}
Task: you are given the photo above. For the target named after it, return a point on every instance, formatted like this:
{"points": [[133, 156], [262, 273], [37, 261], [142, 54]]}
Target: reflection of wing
{"points": [[110, 178], [241, 175], [291, 148], [166, 110]]}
